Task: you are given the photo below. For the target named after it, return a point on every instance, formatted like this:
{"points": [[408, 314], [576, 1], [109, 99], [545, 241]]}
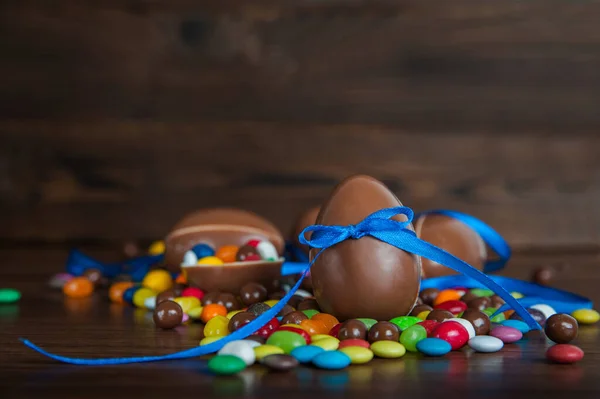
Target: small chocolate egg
{"points": [[453, 236], [363, 277]]}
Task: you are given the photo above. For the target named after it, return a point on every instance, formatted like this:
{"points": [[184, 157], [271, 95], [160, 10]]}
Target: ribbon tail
{"points": [[412, 244]]}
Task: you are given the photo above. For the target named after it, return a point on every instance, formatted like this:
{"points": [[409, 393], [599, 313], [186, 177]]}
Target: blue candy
{"points": [[128, 294], [518, 324], [305, 354], [331, 360], [433, 347], [203, 250]]}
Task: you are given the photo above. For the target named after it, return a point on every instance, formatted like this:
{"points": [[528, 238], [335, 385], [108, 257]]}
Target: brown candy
{"points": [[480, 321], [468, 297], [351, 329], [537, 315], [295, 300], [252, 293], [131, 249], [247, 253], [307, 304], [439, 315], [167, 295], [561, 328], [240, 319], [280, 362], [420, 308], [295, 317], [363, 277], [287, 309], [277, 295], [480, 303], [383, 331], [228, 300], [210, 297], [543, 276], [95, 276], [452, 236], [167, 315], [497, 301], [428, 295]]}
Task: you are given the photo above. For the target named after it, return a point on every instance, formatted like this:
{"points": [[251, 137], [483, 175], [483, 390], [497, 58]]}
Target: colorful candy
{"points": [[403, 322], [564, 353], [486, 344], [209, 261], [305, 354], [331, 360], [78, 287], [388, 349], [115, 292], [411, 336], [226, 364], [286, 340], [329, 344], [263, 351], [586, 316], [9, 295], [227, 253], [158, 280], [242, 349], [213, 310], [452, 332], [217, 326], [506, 334], [358, 354], [434, 347]]}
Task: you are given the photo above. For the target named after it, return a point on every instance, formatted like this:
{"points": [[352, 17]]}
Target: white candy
{"points": [[242, 349], [266, 250], [189, 259], [547, 310], [303, 293], [486, 344], [466, 324], [150, 303]]}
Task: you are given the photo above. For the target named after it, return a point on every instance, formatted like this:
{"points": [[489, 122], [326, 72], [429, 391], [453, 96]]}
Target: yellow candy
{"points": [[517, 295], [388, 349], [423, 315], [329, 344], [195, 312], [318, 337], [233, 313], [217, 326], [358, 354], [141, 295], [272, 302], [158, 280], [210, 261], [295, 326], [187, 303], [156, 248], [586, 316], [265, 350], [210, 340]]}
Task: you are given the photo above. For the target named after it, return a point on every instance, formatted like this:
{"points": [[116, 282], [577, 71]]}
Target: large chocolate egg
{"points": [[364, 277], [454, 237]]}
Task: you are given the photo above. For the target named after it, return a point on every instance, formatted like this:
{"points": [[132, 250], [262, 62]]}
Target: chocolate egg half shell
{"points": [[452, 236], [363, 277]]}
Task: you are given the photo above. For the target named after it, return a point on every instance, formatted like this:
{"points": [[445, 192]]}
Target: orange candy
{"points": [[115, 293], [227, 253], [447, 295], [181, 279], [314, 326], [212, 310], [78, 287], [326, 319]]}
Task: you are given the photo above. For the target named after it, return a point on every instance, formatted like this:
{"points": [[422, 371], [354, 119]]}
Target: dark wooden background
{"points": [[118, 117]]}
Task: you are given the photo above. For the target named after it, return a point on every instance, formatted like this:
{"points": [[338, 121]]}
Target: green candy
{"points": [[286, 340], [496, 319], [411, 336], [403, 322], [481, 292], [310, 312], [226, 364], [9, 295], [368, 322]]}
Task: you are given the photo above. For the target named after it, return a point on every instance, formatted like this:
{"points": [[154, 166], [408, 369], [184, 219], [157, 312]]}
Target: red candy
{"points": [[335, 330], [354, 342], [429, 325], [300, 331], [453, 333], [253, 243], [268, 329], [193, 291], [454, 307], [252, 257], [564, 353]]}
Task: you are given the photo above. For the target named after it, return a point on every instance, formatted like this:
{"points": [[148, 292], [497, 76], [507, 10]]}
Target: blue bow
{"points": [[378, 225]]}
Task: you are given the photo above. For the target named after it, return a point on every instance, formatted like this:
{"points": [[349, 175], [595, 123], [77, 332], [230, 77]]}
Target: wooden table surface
{"points": [[94, 327]]}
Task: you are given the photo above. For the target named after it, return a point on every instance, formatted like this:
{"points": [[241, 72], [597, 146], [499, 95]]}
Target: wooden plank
{"points": [[429, 66], [120, 180]]}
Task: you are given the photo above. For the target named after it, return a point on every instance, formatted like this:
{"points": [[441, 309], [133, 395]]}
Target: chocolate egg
{"points": [[307, 218], [363, 277], [218, 227], [453, 236]]}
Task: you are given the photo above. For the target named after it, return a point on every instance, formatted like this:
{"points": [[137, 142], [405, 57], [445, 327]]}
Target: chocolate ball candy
{"points": [[497, 301], [453, 236], [240, 319], [228, 300], [247, 253], [383, 331], [258, 308], [561, 328], [363, 277], [167, 315], [95, 276], [420, 308], [294, 317], [287, 309], [537, 315], [252, 293], [210, 298], [308, 303], [543, 276], [295, 300], [480, 321], [178, 289], [480, 303], [468, 297], [352, 329], [439, 315], [428, 295], [166, 295]]}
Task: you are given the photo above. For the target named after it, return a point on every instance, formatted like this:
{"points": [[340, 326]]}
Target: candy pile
{"points": [[253, 250]]}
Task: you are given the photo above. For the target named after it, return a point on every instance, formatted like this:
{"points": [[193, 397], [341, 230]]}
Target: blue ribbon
{"points": [[378, 225], [494, 240]]}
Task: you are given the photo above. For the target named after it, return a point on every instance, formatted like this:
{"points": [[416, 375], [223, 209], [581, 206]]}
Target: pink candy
{"points": [[506, 334]]}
